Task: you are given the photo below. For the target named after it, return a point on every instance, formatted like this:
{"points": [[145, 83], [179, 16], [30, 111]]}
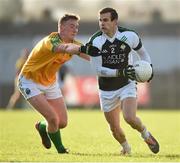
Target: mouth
{"points": [[74, 34], [103, 28]]}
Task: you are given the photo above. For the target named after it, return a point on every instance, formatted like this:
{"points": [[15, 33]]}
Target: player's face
{"points": [[106, 25], [69, 29]]}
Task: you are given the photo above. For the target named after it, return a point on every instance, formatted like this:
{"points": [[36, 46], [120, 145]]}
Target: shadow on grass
{"points": [[135, 155], [97, 154], [173, 156], [168, 156]]}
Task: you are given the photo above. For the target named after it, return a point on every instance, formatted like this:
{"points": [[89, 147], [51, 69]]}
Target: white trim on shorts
{"points": [[29, 88], [109, 100]]}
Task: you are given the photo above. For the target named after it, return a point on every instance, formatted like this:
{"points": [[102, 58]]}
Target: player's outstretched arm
{"points": [[90, 50], [84, 56], [76, 49]]}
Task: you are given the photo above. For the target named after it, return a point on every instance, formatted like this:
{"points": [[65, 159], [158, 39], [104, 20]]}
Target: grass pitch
{"points": [[88, 138]]}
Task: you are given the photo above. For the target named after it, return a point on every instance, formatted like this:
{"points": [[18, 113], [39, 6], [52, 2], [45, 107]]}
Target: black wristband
{"points": [[83, 49], [90, 50]]}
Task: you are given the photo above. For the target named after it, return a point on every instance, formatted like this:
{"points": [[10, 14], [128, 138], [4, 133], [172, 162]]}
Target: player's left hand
{"points": [[72, 48]]}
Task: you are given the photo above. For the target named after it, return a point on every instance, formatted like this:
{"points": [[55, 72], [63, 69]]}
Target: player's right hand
{"points": [[128, 72], [68, 48], [90, 50]]}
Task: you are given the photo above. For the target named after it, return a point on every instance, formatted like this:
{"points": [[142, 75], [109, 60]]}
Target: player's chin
{"points": [[74, 34], [72, 37], [103, 30]]}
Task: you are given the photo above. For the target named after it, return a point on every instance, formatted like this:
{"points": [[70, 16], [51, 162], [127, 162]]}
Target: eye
{"points": [[105, 20]]}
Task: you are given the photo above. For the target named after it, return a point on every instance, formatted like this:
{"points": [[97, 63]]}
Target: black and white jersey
{"points": [[115, 54]]}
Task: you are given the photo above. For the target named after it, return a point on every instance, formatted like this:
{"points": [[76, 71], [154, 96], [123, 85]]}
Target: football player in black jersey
{"points": [[111, 49]]}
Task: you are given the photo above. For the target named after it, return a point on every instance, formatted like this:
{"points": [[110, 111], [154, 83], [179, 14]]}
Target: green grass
{"points": [[88, 138]]}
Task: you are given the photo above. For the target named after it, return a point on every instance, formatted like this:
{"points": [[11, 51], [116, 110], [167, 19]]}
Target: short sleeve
{"points": [[52, 42]]}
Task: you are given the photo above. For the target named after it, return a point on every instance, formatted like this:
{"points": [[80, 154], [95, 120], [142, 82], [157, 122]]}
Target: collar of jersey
{"points": [[111, 39]]}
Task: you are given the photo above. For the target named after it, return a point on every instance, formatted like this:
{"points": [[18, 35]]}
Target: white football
{"points": [[143, 71]]}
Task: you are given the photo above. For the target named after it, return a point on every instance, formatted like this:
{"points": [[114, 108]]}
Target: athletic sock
{"points": [[126, 146], [42, 126], [56, 139], [145, 134]]}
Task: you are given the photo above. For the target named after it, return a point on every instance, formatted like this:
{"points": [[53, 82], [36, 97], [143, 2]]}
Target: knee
{"points": [[114, 129], [130, 120], [63, 123], [117, 131]]}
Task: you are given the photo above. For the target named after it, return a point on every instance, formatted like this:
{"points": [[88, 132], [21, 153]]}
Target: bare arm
{"points": [[73, 49], [84, 56], [77, 49], [67, 48]]}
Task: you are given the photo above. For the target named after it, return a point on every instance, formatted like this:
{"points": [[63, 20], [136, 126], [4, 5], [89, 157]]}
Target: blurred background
{"points": [[24, 22]]}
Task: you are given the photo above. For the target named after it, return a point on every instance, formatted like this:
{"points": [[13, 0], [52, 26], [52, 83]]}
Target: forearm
{"points": [[96, 63], [77, 49], [67, 48], [128, 71], [84, 56], [106, 72]]}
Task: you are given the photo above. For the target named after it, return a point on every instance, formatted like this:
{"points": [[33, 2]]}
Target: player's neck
{"points": [[112, 33], [65, 39]]}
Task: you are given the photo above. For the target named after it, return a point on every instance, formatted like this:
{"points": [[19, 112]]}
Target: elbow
{"points": [[99, 72]]}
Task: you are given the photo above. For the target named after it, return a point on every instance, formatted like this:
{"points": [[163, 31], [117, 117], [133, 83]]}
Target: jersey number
{"points": [[112, 50]]}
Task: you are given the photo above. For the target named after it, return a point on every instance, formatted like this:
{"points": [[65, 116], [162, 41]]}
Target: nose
{"points": [[101, 24]]}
